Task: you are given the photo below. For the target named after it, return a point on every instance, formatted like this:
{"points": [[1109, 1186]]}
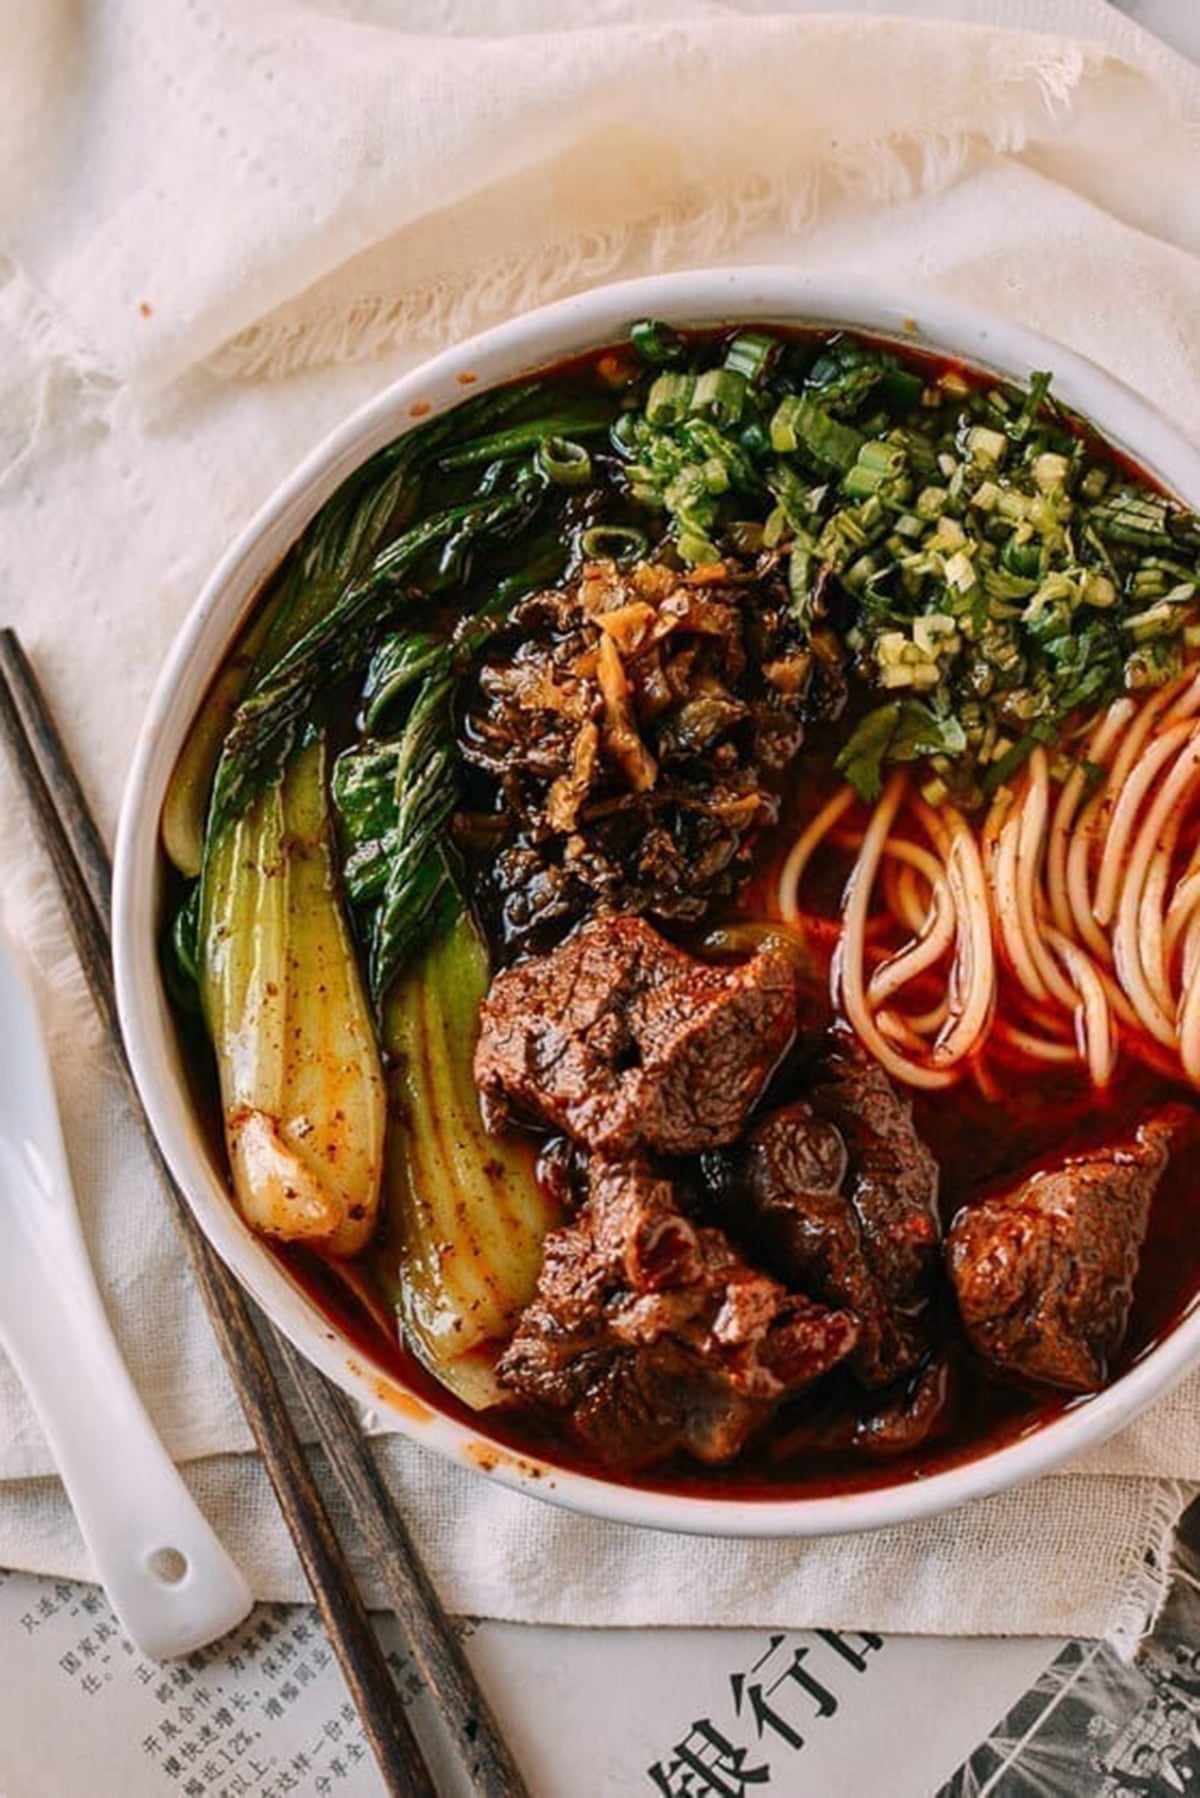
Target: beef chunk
{"points": [[907, 1418], [797, 1188], [627, 1043], [842, 1193], [654, 1334], [561, 1173], [893, 1182], [1044, 1271], [888, 1424]]}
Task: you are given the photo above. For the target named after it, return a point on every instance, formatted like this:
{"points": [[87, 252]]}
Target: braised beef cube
{"points": [[790, 1171], [654, 1334], [796, 1198], [799, 1187], [626, 1043], [1044, 1271], [879, 1426], [561, 1173], [909, 1418], [893, 1180]]}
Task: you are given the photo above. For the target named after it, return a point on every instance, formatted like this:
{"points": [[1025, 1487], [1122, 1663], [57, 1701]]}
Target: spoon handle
{"points": [[170, 1581]]}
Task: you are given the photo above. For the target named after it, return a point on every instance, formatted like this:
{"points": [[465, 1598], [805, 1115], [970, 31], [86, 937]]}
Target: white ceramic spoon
{"points": [[170, 1581]]}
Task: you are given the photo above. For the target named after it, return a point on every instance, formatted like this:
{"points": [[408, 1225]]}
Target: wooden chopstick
{"points": [[435, 1649], [339, 1602]]}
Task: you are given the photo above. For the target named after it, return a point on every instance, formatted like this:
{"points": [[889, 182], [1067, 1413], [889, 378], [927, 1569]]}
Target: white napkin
{"points": [[223, 226]]}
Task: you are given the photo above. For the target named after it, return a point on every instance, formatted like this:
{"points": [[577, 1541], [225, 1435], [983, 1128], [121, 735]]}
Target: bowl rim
{"points": [[760, 294]]}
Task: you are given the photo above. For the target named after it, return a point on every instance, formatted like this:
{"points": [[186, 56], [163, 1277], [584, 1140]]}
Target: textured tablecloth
{"points": [[221, 227]]}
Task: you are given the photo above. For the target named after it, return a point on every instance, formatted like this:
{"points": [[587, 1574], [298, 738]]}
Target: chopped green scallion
{"points": [[751, 354], [613, 543], [564, 462]]}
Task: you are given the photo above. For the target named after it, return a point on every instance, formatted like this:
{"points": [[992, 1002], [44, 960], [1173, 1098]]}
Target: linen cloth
{"points": [[221, 227]]}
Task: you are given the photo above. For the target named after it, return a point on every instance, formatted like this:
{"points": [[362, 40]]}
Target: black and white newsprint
{"points": [[593, 1713]]}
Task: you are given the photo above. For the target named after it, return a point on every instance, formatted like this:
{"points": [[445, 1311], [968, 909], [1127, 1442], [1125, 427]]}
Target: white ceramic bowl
{"points": [[511, 350]]}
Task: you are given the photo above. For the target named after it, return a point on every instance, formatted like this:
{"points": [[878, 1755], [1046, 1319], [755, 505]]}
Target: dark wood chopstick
{"points": [[436, 1650], [54, 764], [343, 1613], [413, 1600]]}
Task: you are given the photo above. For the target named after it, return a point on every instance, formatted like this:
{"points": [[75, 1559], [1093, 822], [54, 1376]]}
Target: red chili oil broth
{"points": [[976, 1142], [1041, 1114]]}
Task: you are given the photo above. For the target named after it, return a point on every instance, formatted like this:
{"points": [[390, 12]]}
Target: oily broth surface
{"points": [[975, 1140], [978, 1142]]}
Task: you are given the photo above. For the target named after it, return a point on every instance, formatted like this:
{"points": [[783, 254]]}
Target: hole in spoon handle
{"points": [[168, 1565]]}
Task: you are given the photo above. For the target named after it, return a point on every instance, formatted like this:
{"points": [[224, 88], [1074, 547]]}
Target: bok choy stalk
{"points": [[464, 1209], [302, 1091]]}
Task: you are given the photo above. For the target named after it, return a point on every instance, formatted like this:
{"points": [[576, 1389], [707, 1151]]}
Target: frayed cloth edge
{"points": [[304, 332], [1138, 1609]]}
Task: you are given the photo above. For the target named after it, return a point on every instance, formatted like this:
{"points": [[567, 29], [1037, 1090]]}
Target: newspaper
{"points": [[678, 1713], [587, 1712]]}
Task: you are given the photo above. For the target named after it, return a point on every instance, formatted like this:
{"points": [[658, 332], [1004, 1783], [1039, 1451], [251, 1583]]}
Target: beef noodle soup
{"points": [[687, 910]]}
